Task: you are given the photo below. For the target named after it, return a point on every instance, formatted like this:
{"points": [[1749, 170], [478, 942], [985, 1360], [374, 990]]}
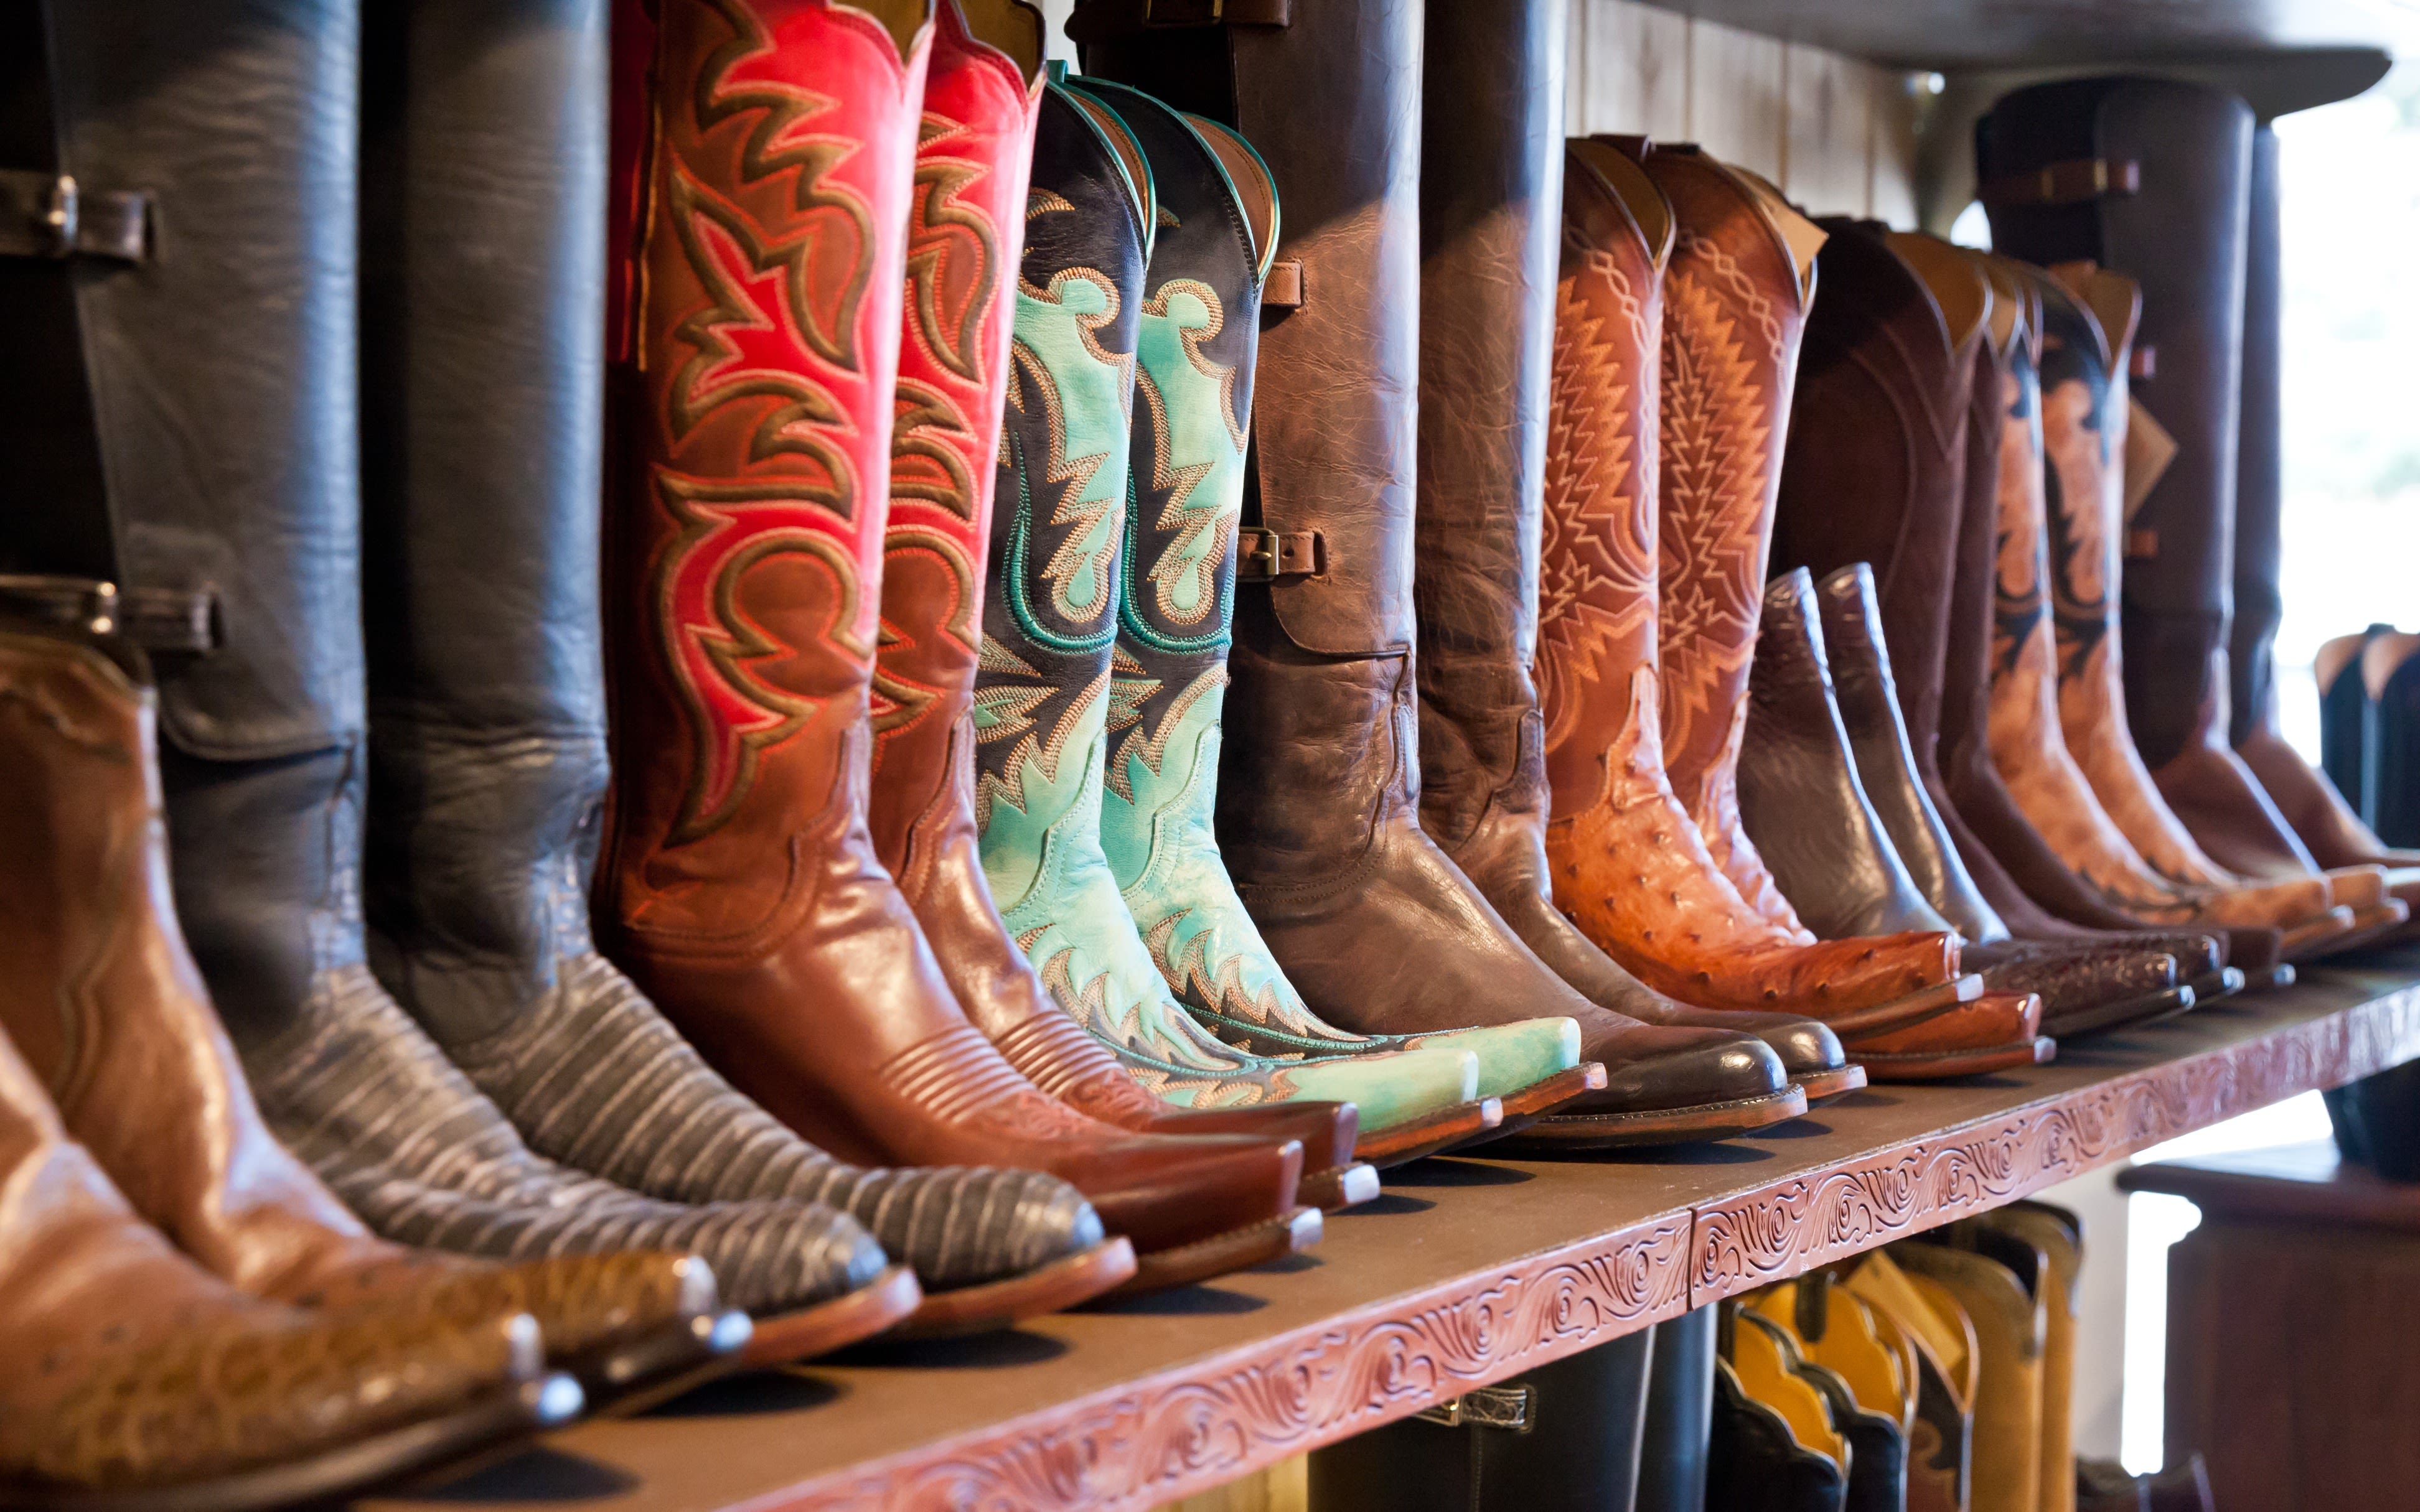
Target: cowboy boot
{"points": [[1046, 680], [1597, 660], [1878, 411], [261, 739], [1828, 852], [2152, 178], [1221, 1201], [2088, 319], [1199, 324], [144, 1381], [2316, 808], [2026, 744], [2085, 984], [2390, 675], [1491, 232], [1319, 779], [1680, 1395], [2023, 877], [2345, 716], [147, 1081]]}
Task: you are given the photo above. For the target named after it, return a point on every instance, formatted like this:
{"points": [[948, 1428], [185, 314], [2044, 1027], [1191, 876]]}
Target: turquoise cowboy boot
{"points": [[1216, 235], [1043, 681]]}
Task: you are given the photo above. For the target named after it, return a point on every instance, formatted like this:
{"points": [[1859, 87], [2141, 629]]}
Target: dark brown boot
{"points": [[1318, 815]]}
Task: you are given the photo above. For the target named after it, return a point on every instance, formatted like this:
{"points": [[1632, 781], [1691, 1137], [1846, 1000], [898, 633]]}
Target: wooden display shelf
{"points": [[1466, 1272]]}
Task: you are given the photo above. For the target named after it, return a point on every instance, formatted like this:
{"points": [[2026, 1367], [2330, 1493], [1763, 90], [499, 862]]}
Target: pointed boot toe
{"points": [[1392, 1090], [1513, 1057], [1166, 1192]]}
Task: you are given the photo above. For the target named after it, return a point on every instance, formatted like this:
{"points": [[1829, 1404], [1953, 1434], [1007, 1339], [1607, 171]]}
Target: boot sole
{"points": [[1660, 1126], [625, 1379], [869, 1310], [1901, 1011], [1405, 1142], [1334, 1189], [1051, 1289], [1943, 1064], [1533, 1101], [418, 1454], [2224, 983], [1235, 1250], [2129, 1014], [1823, 1087], [2372, 926], [2315, 935]]}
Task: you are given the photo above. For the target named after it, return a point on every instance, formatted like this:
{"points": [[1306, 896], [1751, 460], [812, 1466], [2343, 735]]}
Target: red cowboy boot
{"points": [[1629, 866], [1229, 1198]]}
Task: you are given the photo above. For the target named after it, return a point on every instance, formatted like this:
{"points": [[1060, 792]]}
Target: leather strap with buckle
{"points": [[2074, 181], [1099, 21], [1263, 556], [51, 215], [1510, 1409], [157, 619]]}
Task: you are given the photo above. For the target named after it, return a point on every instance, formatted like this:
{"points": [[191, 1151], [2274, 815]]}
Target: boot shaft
{"points": [[746, 528], [2260, 457], [1490, 177]]}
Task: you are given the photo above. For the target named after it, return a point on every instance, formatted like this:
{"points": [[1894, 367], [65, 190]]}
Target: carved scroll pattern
{"points": [[1166, 1440], [1777, 1231]]}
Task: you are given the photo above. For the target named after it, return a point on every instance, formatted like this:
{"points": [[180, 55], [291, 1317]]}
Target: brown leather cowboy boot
{"points": [[1219, 1199], [2090, 316], [2018, 872], [1613, 813], [142, 1380], [145, 1078], [1879, 413], [2026, 744], [740, 887], [1318, 792], [1490, 235]]}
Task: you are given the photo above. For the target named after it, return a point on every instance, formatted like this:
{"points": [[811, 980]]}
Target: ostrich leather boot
{"points": [[143, 1380], [1801, 800], [1217, 1200], [2088, 317], [965, 234], [757, 369], [146, 1082], [1318, 815], [2022, 878], [2026, 744], [1595, 517], [1685, 929], [244, 345], [1491, 235], [2152, 178], [1218, 221], [1046, 680], [1879, 413], [2315, 809]]}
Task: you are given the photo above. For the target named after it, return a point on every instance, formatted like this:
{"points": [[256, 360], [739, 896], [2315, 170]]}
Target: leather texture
{"points": [[1876, 1445], [1939, 1342], [140, 1372], [145, 1079], [1998, 1290], [1680, 1403], [2390, 671], [1754, 1465], [1579, 1450], [1617, 822], [2058, 1234], [1318, 785], [1046, 681]]}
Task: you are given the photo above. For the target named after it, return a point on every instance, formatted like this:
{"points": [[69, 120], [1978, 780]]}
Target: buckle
{"points": [[53, 217], [1263, 556], [62, 219], [171, 620], [1508, 1409]]}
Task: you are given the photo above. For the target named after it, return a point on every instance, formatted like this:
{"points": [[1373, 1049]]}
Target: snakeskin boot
{"points": [[244, 345], [1046, 681], [1198, 326]]}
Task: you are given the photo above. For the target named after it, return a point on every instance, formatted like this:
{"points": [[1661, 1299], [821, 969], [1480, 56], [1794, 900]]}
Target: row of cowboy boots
{"points": [[2152, 207]]}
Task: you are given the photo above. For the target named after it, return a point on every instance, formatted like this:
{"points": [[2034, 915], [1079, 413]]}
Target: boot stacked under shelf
{"points": [[1466, 1272]]}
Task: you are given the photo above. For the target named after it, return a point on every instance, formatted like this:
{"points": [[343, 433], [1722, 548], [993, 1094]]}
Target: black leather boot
{"points": [[1561, 1438], [1319, 783], [483, 292], [223, 376], [1754, 1465], [1680, 1402]]}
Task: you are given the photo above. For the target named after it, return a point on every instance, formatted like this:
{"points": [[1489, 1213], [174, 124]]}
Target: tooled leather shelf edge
{"points": [[1169, 1439]]}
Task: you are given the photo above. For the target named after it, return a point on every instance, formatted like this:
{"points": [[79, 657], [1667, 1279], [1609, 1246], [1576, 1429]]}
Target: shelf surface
{"points": [[1466, 1271]]}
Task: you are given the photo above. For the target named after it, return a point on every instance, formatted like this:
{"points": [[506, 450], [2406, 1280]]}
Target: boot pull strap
{"points": [[1263, 556], [161, 619], [2074, 181], [1101, 20], [51, 215]]}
